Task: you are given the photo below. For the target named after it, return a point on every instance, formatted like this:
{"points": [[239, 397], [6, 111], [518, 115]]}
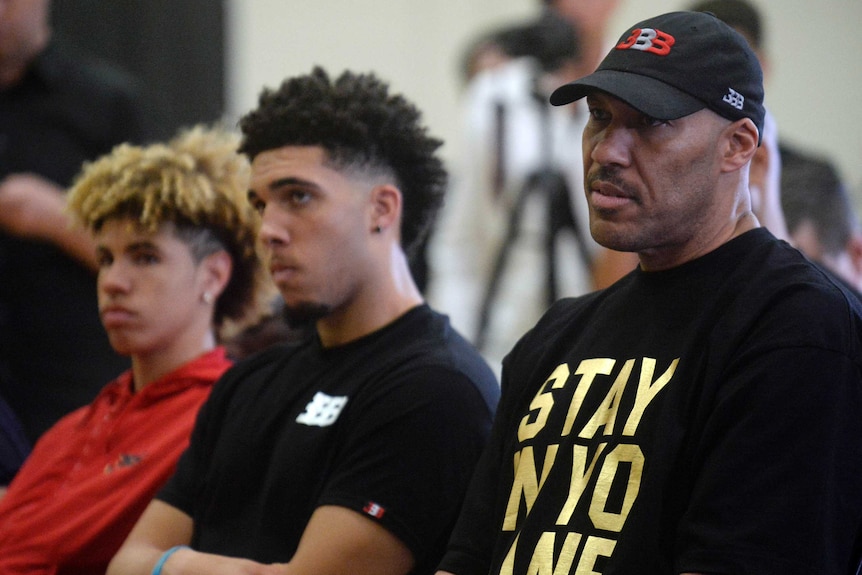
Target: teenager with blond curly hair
{"points": [[178, 266]]}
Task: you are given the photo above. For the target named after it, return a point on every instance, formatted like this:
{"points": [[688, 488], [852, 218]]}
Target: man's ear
{"points": [[216, 269], [741, 139], [385, 207]]}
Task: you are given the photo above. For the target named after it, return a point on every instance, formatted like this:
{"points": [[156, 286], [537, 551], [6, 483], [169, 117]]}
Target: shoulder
{"points": [[568, 313], [784, 278], [816, 310], [779, 299], [417, 363], [253, 369], [421, 355], [81, 422], [263, 360], [551, 334]]}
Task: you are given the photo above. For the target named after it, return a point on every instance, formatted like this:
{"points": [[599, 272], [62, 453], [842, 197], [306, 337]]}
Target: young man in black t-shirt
{"points": [[349, 452]]}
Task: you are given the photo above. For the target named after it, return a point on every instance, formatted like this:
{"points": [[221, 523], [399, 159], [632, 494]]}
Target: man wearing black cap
{"points": [[701, 415]]}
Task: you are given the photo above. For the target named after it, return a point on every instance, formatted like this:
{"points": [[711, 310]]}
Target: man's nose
{"points": [[612, 146]]}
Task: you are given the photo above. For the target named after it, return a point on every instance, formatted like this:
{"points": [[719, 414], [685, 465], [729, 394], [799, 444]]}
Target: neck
{"points": [[155, 364], [662, 259], [389, 293]]}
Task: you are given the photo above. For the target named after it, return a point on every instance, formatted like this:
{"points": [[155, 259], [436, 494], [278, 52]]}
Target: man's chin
{"points": [[304, 314], [612, 237]]}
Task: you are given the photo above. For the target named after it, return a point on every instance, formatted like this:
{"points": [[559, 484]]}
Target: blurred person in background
{"points": [[821, 219], [513, 236], [58, 108]]}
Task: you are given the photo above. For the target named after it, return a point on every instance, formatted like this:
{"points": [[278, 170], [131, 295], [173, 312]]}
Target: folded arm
{"points": [[336, 540]]}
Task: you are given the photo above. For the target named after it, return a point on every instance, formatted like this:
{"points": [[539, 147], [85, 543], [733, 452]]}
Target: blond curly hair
{"points": [[198, 182]]}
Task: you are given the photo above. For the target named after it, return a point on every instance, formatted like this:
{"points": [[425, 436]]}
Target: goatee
{"points": [[305, 314]]}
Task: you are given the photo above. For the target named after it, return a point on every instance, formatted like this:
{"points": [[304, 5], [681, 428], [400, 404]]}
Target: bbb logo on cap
{"points": [[702, 63], [648, 40]]}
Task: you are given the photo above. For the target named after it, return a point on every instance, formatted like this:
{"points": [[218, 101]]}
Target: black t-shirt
{"points": [[390, 426], [700, 419], [54, 355]]}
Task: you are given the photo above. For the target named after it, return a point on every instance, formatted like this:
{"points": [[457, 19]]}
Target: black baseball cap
{"points": [[675, 64]]}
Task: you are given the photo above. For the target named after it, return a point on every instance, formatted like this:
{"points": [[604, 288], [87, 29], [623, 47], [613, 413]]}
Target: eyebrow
{"points": [[292, 181], [142, 245]]}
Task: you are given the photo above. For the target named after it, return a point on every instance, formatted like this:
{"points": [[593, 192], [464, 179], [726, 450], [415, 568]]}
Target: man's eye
{"points": [[145, 258], [291, 197], [103, 260], [651, 122], [299, 197], [599, 114], [255, 202]]}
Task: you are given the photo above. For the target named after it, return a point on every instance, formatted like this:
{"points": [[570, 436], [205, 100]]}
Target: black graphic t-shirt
{"points": [[700, 419], [390, 426]]}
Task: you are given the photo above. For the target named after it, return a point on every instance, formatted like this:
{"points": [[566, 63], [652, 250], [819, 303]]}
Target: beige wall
{"points": [[815, 47]]}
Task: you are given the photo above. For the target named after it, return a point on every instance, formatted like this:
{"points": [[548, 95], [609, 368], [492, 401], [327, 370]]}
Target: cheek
{"points": [[343, 264], [176, 295], [586, 160], [343, 257], [683, 172]]}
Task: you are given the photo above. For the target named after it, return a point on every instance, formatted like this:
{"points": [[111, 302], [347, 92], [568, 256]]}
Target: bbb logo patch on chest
{"points": [[323, 410]]}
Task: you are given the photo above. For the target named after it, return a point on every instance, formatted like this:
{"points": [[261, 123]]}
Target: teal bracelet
{"points": [[157, 570]]}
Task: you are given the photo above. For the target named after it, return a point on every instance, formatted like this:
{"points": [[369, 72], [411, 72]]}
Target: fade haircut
{"points": [[197, 182], [359, 124]]}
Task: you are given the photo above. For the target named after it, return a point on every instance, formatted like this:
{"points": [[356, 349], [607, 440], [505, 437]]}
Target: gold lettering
{"points": [[600, 516], [542, 561], [594, 548], [509, 562], [647, 391], [588, 370], [580, 477], [543, 402], [606, 414], [526, 482]]}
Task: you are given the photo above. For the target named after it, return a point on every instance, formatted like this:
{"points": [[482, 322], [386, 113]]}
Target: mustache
{"points": [[610, 175]]}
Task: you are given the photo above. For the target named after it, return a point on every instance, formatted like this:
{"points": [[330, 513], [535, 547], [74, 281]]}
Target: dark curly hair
{"points": [[359, 124]]}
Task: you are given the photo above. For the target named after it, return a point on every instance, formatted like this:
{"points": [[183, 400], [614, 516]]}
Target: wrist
{"points": [[160, 564]]}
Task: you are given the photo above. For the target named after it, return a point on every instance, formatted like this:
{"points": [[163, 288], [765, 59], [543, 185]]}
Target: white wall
{"points": [[815, 48]]}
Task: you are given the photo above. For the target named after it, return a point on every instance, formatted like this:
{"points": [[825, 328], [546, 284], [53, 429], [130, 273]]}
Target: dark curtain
{"points": [[175, 47]]}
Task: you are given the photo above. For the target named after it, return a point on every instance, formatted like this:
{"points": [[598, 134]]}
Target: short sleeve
{"points": [[399, 434], [776, 470]]}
